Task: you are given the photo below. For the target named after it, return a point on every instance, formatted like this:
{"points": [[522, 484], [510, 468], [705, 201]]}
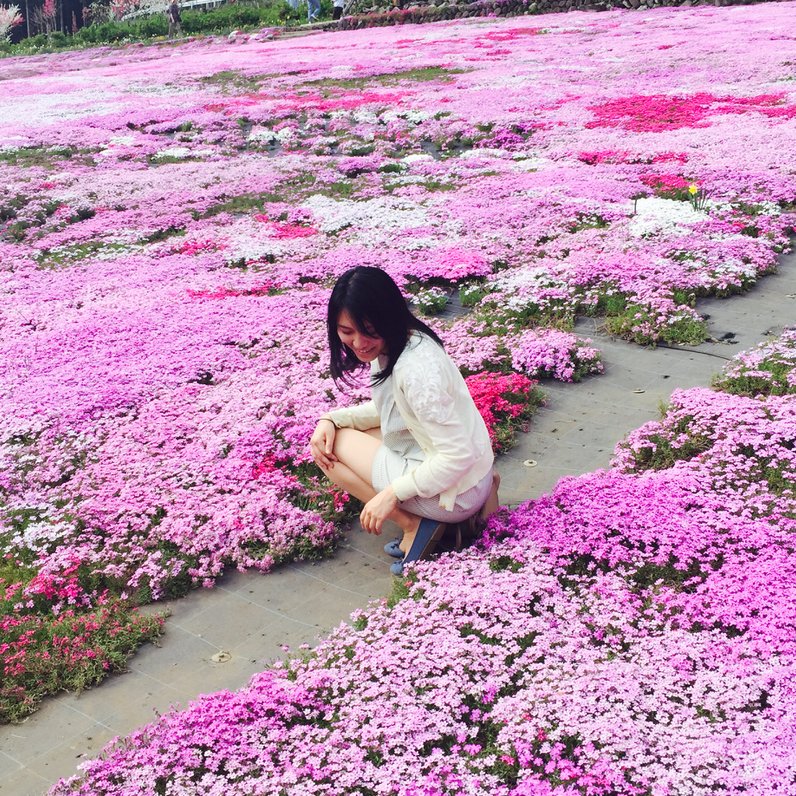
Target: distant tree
{"points": [[45, 18]]}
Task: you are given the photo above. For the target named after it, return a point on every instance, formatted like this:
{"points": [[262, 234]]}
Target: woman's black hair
{"points": [[377, 306]]}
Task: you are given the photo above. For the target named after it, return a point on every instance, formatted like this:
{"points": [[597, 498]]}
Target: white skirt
{"points": [[389, 465]]}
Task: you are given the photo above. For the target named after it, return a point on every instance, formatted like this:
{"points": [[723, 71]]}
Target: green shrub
{"points": [[225, 18]]}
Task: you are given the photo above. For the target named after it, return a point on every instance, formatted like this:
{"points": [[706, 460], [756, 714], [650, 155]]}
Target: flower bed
{"points": [[765, 370], [174, 220], [631, 632], [506, 402], [42, 653]]}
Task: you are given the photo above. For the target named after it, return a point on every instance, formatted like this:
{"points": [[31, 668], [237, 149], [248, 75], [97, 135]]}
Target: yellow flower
{"points": [[693, 188]]}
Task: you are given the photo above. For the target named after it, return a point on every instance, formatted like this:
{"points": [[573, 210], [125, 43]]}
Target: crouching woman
{"points": [[418, 453]]}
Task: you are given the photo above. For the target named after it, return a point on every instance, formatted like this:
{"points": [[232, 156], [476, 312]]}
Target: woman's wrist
{"points": [[326, 417]]}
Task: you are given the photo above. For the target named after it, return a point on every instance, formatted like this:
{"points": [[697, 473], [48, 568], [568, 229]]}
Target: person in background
{"points": [[175, 21], [419, 452], [313, 10], [337, 9]]}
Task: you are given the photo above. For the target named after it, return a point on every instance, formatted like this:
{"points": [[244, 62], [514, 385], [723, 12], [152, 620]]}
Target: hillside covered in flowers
{"points": [[175, 215]]}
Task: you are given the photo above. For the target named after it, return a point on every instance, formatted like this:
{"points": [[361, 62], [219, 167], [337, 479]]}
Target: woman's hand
{"points": [[322, 444], [377, 510]]}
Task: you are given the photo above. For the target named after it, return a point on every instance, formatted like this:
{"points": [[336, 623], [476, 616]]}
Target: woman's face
{"points": [[366, 346]]}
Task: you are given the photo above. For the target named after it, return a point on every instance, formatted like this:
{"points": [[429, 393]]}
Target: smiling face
{"points": [[366, 347]]}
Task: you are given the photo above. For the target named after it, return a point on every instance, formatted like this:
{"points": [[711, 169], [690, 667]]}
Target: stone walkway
{"points": [[216, 639]]}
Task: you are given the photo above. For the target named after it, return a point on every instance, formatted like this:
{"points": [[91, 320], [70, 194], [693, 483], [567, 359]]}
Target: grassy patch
{"points": [[77, 252], [291, 190], [245, 203], [418, 75], [661, 454], [46, 157], [234, 81]]}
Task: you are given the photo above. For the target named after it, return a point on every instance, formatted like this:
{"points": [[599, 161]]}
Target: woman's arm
{"points": [[362, 416]]}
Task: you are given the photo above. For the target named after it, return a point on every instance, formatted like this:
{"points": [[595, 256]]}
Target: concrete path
{"points": [[249, 617]]}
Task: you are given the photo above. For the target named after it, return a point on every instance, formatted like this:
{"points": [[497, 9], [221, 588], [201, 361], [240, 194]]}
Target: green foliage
{"points": [[661, 454], [588, 221], [245, 203], [225, 18], [438, 185], [472, 294], [400, 588], [752, 384], [639, 324], [503, 563], [432, 300], [13, 571], [44, 157], [506, 428], [162, 234], [418, 75], [77, 252], [609, 303], [74, 650], [342, 189], [360, 623], [673, 573], [231, 80]]}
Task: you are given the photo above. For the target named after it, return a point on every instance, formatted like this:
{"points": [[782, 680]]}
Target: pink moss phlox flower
{"points": [[554, 354]]}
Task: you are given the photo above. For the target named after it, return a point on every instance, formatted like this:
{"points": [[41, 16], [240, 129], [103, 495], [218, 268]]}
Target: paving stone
{"points": [[43, 731], [8, 766], [24, 783]]}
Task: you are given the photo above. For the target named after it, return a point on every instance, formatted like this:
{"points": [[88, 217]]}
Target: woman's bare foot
{"points": [[409, 536]]}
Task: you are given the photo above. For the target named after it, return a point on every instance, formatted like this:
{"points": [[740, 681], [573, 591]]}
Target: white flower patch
{"points": [[418, 158], [159, 89], [251, 241], [364, 116], [40, 535], [56, 110], [763, 207], [265, 135], [530, 164], [418, 244], [373, 219], [486, 152], [408, 179], [537, 286], [181, 153], [408, 115], [725, 274], [173, 152], [663, 216]]}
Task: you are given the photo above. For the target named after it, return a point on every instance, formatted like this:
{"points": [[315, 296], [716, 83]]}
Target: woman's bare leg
{"points": [[355, 451]]}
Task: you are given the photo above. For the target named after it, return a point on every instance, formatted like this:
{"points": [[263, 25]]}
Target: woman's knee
{"points": [[356, 450]]}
